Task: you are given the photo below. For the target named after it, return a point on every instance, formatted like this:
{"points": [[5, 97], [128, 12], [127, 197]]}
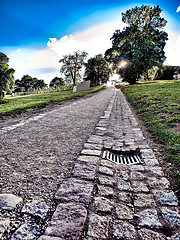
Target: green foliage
{"points": [[72, 64], [140, 44], [28, 84], [158, 105], [6, 76], [169, 72], [97, 70], [57, 82]]}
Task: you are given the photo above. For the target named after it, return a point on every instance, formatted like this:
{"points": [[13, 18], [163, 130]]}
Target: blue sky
{"points": [[28, 25]]}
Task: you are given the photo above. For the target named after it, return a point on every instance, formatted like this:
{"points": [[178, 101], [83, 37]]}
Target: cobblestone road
{"points": [[103, 200]]}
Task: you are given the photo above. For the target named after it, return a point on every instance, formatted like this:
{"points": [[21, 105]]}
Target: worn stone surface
{"points": [[158, 183], [105, 191], [154, 171], [124, 185], [137, 176], [106, 163], [106, 170], [49, 238], [67, 221], [149, 217], [171, 216], [123, 230], [125, 196], [151, 161], [106, 180], [98, 226], [88, 159], [25, 232], [84, 170], [124, 212], [166, 197], [4, 225], [95, 139], [146, 234], [75, 190], [36, 208], [93, 146], [91, 152], [102, 204], [144, 200], [139, 186], [9, 201]]}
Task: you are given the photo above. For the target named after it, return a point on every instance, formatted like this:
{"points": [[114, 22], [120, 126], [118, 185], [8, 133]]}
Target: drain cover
{"points": [[128, 159]]}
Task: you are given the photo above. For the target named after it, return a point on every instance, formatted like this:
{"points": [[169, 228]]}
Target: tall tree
{"points": [[140, 44], [72, 64], [6, 75], [97, 70]]}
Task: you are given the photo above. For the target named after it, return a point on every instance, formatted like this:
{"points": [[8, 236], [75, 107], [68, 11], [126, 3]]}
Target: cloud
{"points": [[178, 9], [44, 63], [172, 49]]}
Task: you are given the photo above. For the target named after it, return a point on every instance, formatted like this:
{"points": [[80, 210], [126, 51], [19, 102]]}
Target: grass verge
{"points": [[158, 105], [15, 105]]}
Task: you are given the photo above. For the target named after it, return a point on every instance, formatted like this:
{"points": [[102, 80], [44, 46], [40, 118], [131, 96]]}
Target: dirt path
{"points": [[37, 152]]}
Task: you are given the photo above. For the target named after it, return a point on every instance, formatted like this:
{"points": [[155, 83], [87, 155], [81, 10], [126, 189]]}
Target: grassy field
{"points": [[158, 105], [14, 105]]}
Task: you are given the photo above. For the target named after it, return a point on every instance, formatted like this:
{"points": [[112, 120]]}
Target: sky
{"points": [[35, 34]]}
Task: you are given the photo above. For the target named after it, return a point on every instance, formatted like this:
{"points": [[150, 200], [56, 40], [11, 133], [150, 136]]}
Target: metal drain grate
{"points": [[128, 159]]}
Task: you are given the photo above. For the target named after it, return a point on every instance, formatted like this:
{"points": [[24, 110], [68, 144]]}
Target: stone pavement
{"points": [[104, 200]]}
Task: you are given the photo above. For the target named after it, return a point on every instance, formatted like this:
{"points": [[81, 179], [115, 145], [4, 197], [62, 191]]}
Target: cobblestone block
{"points": [[98, 226], [158, 183], [146, 234], [166, 197], [106, 163], [105, 191], [154, 171], [123, 230], [124, 185], [102, 204], [4, 225], [67, 221], [106, 170], [49, 238], [9, 201], [171, 216], [36, 208], [93, 146], [106, 180], [125, 197], [139, 186], [89, 159], [75, 190], [150, 161], [149, 218], [84, 170], [91, 152], [137, 176], [95, 139], [123, 174], [139, 168], [25, 232], [124, 212], [144, 200]]}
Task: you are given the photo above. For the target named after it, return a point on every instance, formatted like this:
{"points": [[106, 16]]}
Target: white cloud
{"points": [[93, 40], [172, 49], [178, 9]]}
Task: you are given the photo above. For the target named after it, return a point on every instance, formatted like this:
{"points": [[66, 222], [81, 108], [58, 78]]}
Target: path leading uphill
{"points": [[70, 156]]}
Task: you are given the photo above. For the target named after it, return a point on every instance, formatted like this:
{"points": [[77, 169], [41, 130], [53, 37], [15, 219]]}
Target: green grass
{"points": [[13, 105], [158, 105]]}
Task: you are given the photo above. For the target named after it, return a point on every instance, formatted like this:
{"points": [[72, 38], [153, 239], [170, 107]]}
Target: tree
{"points": [[6, 76], [72, 64], [57, 82], [97, 70], [140, 44]]}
